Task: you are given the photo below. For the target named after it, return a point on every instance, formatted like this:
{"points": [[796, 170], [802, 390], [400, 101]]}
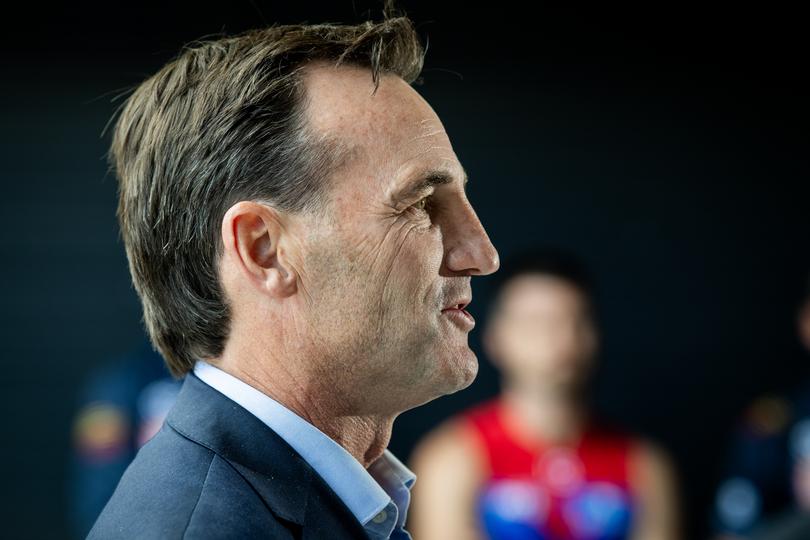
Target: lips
{"points": [[459, 304], [460, 316]]}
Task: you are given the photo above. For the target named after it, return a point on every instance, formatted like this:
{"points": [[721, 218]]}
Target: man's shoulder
{"points": [[177, 488]]}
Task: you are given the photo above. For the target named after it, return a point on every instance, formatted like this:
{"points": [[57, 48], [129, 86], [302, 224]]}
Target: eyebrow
{"points": [[429, 179]]}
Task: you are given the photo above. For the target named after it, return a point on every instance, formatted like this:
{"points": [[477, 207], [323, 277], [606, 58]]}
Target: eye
{"points": [[422, 204]]}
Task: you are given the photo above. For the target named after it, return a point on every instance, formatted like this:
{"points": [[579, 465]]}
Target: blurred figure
{"points": [[121, 406], [533, 463], [765, 491]]}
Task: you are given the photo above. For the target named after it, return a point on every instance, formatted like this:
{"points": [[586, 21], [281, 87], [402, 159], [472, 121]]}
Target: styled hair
{"points": [[225, 121]]}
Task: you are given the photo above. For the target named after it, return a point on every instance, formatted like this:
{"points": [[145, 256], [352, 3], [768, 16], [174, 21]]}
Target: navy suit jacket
{"points": [[216, 471]]}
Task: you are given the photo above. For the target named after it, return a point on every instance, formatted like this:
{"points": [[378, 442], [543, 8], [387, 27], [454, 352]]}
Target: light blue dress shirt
{"points": [[378, 496]]}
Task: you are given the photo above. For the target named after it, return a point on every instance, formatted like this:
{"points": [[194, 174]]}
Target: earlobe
{"points": [[252, 235]]}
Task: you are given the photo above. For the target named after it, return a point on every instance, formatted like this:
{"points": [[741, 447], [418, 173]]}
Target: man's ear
{"points": [[251, 235]]}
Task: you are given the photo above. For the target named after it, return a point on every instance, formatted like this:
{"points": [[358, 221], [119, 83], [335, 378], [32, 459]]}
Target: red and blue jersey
{"points": [[540, 491]]}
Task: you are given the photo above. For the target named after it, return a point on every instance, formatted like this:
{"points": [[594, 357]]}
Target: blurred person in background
{"points": [[765, 488], [534, 463], [122, 405]]}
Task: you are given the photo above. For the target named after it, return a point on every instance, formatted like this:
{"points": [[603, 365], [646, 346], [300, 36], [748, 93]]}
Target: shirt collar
{"points": [[396, 479], [365, 492]]}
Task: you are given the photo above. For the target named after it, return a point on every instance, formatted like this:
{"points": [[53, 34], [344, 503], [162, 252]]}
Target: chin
{"points": [[460, 372], [447, 373], [449, 381]]}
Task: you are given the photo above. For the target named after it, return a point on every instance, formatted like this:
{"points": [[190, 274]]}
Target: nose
{"points": [[468, 250]]}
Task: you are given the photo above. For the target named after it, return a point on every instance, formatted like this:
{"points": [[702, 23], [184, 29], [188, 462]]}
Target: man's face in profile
{"points": [[379, 271]]}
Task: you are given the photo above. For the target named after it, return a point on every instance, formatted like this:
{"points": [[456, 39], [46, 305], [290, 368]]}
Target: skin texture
{"points": [[338, 314], [544, 343]]}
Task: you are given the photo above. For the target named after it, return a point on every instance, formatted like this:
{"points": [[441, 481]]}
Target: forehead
{"points": [[393, 132], [530, 292]]}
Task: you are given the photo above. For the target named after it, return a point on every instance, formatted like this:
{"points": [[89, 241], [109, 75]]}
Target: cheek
{"points": [[413, 261], [334, 280], [388, 271]]}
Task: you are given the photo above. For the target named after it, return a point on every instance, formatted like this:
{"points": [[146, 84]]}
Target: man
{"points": [[535, 462], [297, 229]]}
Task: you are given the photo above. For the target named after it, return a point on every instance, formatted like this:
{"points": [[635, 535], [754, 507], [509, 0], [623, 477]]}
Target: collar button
{"points": [[381, 517]]}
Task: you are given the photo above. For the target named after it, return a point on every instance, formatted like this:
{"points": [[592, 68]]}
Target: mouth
{"points": [[457, 313]]}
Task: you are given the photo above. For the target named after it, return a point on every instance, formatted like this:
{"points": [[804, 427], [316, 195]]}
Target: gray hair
{"points": [[225, 121]]}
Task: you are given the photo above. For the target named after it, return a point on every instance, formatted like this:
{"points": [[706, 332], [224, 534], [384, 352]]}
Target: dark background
{"points": [[666, 145]]}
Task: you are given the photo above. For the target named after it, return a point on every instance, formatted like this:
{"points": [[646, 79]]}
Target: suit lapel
{"points": [[288, 485], [328, 517]]}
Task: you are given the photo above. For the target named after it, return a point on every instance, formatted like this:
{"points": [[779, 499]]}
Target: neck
{"points": [[552, 412], [315, 399]]}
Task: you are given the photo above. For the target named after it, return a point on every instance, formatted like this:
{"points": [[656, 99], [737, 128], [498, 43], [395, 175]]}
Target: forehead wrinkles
{"points": [[393, 143], [430, 138], [406, 129], [389, 137], [428, 128]]}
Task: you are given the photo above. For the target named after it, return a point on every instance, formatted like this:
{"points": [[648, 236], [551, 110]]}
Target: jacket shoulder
{"points": [[229, 508], [177, 488]]}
